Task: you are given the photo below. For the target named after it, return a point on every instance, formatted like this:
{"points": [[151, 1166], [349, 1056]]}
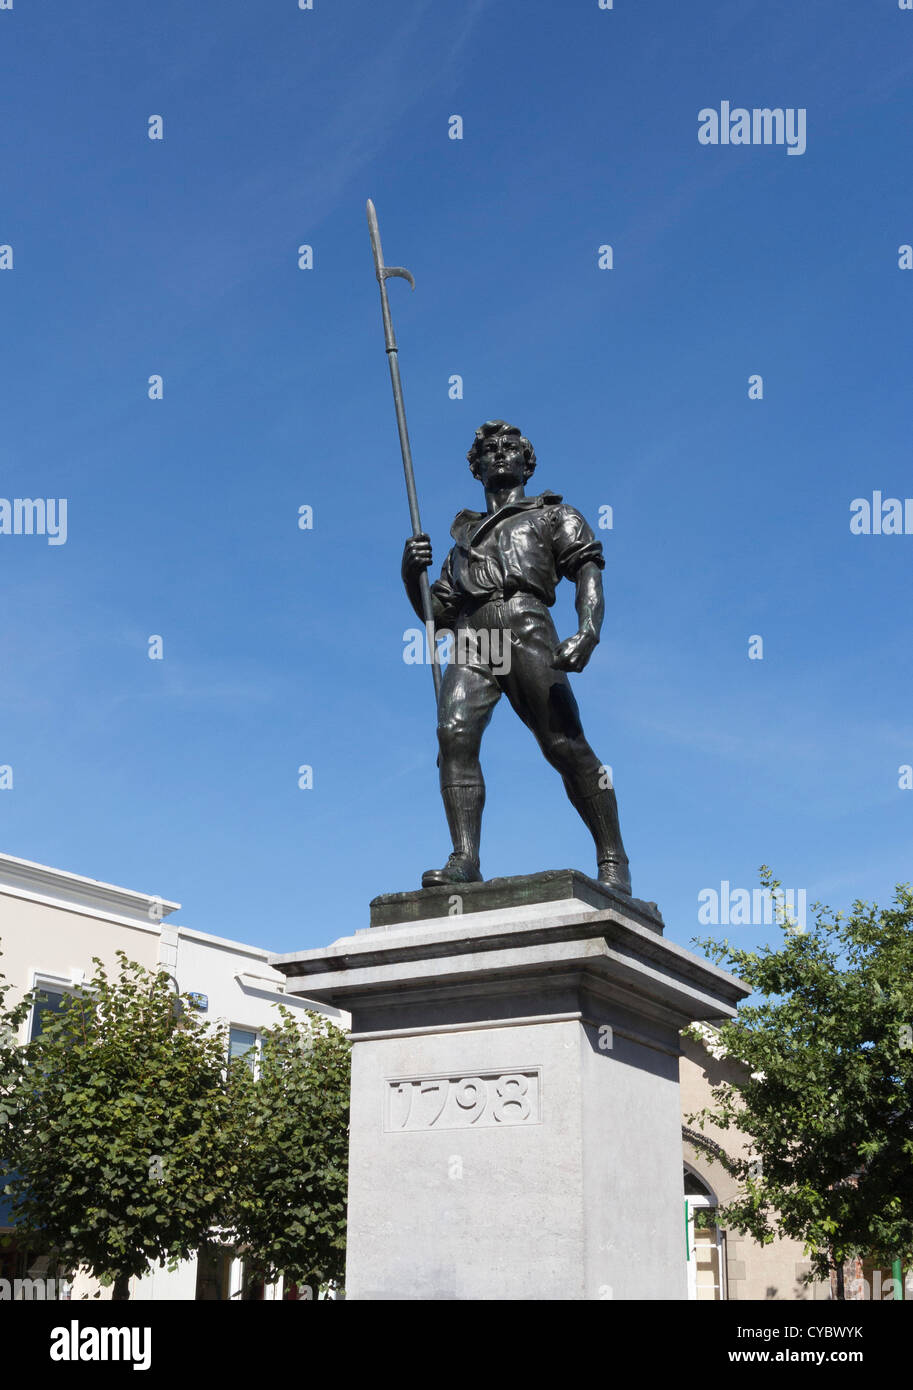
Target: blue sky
{"points": [[284, 647]]}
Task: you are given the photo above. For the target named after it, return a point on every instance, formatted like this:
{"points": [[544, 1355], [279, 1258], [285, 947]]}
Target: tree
{"points": [[12, 1062], [289, 1208], [827, 1099], [118, 1128]]}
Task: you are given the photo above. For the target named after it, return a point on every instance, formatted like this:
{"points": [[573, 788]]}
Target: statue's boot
{"points": [[458, 869], [614, 872], [598, 810], [463, 805]]}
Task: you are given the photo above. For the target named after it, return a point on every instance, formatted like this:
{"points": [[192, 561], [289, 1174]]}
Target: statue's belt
{"points": [[502, 595]]}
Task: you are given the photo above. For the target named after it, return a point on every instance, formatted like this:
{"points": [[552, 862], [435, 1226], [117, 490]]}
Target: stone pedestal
{"points": [[515, 1128]]}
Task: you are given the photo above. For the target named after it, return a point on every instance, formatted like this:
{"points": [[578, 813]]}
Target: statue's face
{"points": [[501, 462]]}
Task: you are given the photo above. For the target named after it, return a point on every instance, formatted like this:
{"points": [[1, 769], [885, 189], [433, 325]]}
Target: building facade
{"points": [[52, 924]]}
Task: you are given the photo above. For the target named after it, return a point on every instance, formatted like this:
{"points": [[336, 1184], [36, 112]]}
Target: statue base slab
{"points": [[507, 894]]}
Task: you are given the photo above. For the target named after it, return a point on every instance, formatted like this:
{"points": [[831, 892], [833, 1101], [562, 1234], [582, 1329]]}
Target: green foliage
{"points": [[119, 1129], [289, 1208], [12, 1060], [126, 1136], [827, 1104]]}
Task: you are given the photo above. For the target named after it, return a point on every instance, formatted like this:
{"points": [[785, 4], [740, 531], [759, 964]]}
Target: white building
{"points": [[52, 924]]}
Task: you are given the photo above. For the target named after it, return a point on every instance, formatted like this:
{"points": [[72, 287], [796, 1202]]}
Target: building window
{"points": [[47, 1001], [251, 1284], [214, 1273], [223, 1275], [705, 1248], [242, 1043], [31, 1276]]}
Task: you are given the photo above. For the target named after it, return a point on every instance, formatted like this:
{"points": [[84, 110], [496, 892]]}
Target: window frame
{"points": [[708, 1201], [252, 1056], [45, 983]]}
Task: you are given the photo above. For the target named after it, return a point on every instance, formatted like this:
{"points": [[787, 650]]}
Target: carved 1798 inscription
{"points": [[462, 1102]]}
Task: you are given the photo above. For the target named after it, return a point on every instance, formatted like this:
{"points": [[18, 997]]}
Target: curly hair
{"points": [[493, 427]]}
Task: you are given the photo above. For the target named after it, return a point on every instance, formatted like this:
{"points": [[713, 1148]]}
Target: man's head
{"points": [[500, 454]]}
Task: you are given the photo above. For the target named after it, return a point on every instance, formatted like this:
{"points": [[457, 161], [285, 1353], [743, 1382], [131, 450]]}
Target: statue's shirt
{"points": [[525, 547]]}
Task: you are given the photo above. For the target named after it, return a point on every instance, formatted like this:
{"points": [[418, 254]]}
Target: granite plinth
{"points": [[515, 1114]]}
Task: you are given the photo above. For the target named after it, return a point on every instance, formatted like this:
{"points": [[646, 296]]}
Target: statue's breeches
{"points": [[506, 647]]}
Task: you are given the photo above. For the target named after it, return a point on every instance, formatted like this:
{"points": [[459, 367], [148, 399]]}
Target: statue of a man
{"points": [[499, 579]]}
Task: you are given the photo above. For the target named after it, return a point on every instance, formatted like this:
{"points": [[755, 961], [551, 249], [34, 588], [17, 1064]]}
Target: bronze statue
{"points": [[498, 581]]}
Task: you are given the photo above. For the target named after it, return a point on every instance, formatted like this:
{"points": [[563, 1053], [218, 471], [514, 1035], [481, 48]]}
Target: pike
{"points": [[383, 273]]}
